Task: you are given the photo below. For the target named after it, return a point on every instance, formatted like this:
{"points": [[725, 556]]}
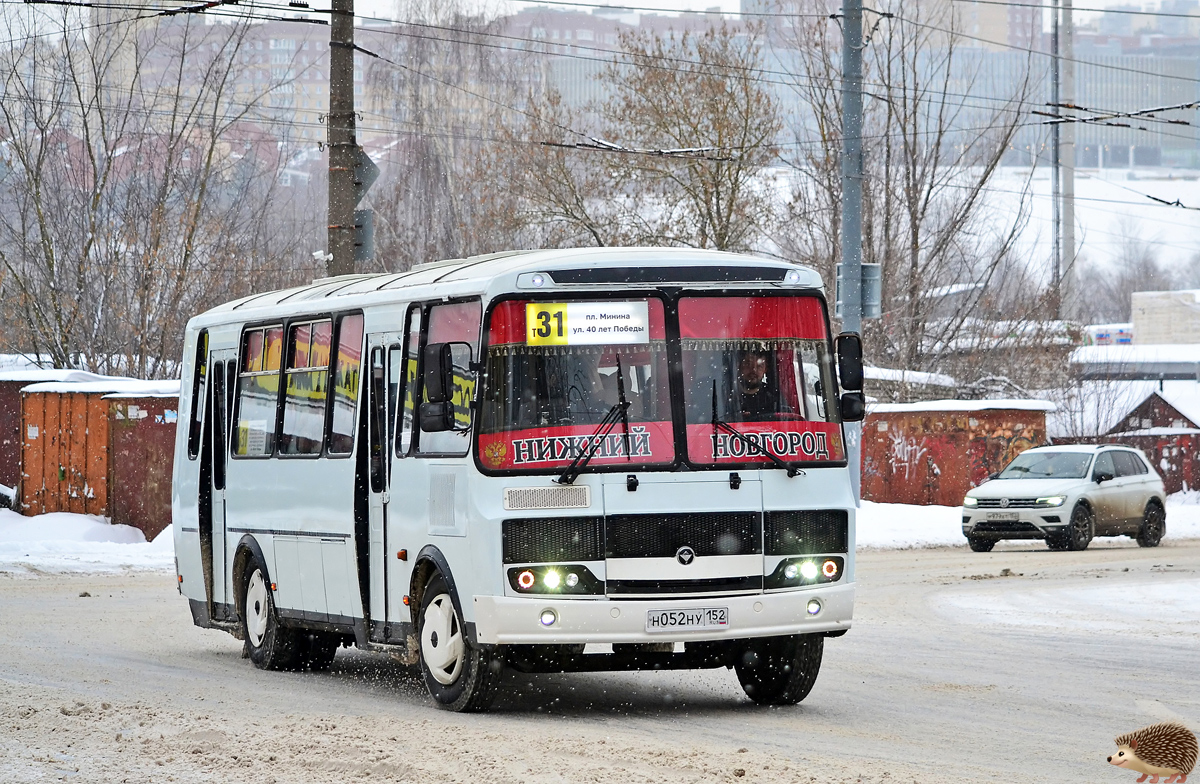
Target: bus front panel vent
{"points": [[553, 540], [807, 532], [565, 497]]}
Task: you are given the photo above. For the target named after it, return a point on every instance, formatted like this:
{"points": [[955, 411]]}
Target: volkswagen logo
{"points": [[685, 555], [1003, 503]]}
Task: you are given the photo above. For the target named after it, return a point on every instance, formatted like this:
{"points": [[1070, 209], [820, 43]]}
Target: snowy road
{"points": [[952, 673]]}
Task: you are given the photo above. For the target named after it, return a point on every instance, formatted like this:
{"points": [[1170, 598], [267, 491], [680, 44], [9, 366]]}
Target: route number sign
{"points": [[586, 323]]}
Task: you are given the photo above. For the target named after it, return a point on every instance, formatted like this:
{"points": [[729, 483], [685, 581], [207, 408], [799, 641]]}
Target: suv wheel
{"points": [[981, 545], [1081, 529], [1154, 525]]}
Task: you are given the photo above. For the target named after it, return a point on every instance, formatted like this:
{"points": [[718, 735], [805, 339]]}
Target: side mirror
{"points": [[438, 363], [850, 362], [437, 417], [447, 371], [853, 406], [1102, 477]]}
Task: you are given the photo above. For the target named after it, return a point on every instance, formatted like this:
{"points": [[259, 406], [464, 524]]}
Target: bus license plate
{"points": [[686, 620], [1005, 517]]}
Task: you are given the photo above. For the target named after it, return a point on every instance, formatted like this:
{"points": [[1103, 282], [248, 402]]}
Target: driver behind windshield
{"points": [[754, 395]]}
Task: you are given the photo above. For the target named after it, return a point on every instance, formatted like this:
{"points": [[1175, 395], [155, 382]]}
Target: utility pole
{"points": [[343, 146], [1056, 157], [1067, 155], [850, 278]]}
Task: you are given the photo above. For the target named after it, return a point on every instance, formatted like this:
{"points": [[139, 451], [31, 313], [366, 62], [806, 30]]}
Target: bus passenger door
{"points": [[222, 367], [382, 382]]}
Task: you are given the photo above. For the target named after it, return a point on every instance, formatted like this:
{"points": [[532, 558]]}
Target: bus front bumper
{"points": [[505, 620]]}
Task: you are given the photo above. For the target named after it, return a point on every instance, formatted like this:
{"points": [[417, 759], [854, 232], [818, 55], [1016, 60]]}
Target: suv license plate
{"points": [[1009, 517], [686, 620]]}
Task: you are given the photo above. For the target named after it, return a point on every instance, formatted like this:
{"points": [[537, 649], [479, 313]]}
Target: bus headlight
{"points": [[805, 570], [561, 579]]}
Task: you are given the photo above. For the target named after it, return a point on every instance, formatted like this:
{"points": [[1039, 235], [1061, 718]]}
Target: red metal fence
{"points": [[923, 454]]}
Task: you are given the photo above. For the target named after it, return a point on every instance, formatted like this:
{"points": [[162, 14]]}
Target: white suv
{"points": [[1066, 495]]}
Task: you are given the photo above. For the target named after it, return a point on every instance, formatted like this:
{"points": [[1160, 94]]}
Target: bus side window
{"points": [[395, 366], [455, 322], [307, 375], [378, 423], [347, 373], [199, 391], [258, 392], [408, 382]]}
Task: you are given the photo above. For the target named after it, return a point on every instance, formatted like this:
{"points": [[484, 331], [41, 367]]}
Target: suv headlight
{"points": [[972, 503], [1051, 500]]}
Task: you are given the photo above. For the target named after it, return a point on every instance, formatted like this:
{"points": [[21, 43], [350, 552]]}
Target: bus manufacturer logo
{"points": [[685, 555]]}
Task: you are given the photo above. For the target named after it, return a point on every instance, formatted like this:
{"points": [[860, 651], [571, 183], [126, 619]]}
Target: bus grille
{"points": [[807, 532], [661, 536], [553, 540]]}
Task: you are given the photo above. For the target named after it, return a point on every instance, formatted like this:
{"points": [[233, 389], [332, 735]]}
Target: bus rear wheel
{"points": [[270, 645], [780, 670], [460, 676]]}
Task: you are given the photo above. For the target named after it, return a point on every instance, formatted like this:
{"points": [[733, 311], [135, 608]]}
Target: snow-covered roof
{"points": [[962, 405], [35, 375], [1095, 407], [1159, 431], [908, 377], [1133, 354], [111, 387], [1184, 399]]}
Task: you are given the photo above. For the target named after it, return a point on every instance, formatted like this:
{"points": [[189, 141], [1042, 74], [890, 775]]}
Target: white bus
{"points": [[550, 461]]}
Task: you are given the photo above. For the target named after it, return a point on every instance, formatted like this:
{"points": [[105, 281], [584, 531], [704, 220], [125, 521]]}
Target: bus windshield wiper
{"points": [[718, 424], [620, 411]]}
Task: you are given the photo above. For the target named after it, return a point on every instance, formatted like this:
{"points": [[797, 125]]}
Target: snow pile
{"points": [[64, 542]]}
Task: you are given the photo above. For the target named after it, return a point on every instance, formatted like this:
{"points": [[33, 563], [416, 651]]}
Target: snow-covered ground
{"points": [[64, 542]]}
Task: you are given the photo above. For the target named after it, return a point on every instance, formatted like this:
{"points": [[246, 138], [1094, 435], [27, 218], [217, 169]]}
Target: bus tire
{"points": [[780, 670], [270, 645], [460, 676]]}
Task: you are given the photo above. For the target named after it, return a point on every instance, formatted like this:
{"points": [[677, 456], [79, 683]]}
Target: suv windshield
{"points": [[1048, 465], [555, 370], [760, 365]]}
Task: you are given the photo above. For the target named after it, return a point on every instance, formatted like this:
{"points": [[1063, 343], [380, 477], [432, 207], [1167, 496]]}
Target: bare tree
{"points": [[927, 218], [134, 191], [686, 132]]}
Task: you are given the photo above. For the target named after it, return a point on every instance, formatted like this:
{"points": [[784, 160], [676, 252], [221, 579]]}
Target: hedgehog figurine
{"points": [[1166, 749]]}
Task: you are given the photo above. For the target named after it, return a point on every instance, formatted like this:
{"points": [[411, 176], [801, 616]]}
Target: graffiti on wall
{"points": [[905, 454]]}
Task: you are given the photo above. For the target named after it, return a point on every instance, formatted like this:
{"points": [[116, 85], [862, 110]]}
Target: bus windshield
{"points": [[757, 383], [759, 366], [556, 370]]}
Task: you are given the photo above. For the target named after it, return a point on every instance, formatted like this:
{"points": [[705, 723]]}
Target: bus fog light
{"points": [[829, 569], [791, 571], [548, 617], [808, 570], [525, 580], [551, 579], [814, 606], [572, 580]]}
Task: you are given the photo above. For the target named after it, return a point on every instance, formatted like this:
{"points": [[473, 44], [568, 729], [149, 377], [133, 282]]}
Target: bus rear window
{"points": [[761, 366], [555, 370]]}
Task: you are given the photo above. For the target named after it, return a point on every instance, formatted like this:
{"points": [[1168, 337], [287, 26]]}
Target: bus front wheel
{"points": [[459, 676], [270, 645], [780, 670]]}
